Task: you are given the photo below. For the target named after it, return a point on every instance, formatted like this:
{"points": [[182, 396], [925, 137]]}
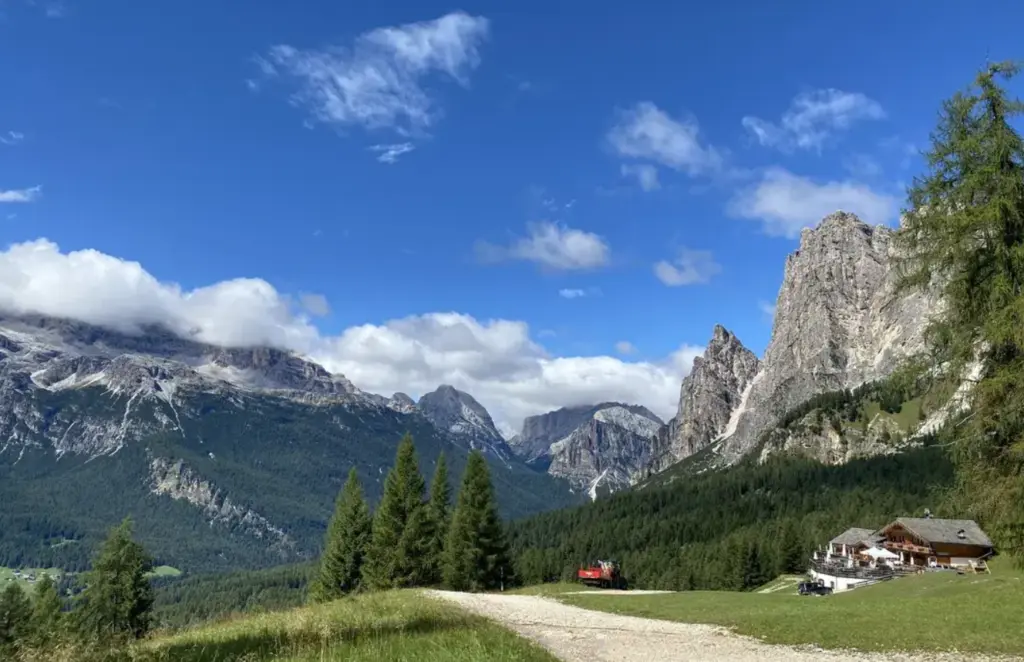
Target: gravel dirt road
{"points": [[580, 635]]}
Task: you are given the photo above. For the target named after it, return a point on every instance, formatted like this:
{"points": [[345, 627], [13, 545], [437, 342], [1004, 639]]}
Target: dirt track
{"points": [[580, 635]]}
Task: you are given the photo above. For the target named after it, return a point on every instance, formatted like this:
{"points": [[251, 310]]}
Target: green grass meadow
{"points": [[929, 612], [396, 626]]}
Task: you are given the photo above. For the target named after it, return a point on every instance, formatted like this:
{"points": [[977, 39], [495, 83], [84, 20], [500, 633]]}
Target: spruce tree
{"points": [[438, 520], [47, 617], [118, 596], [15, 618], [394, 559], [964, 230], [345, 545], [475, 554]]}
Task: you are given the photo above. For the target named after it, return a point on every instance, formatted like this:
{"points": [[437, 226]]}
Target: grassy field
{"points": [[930, 612], [399, 626], [782, 583], [165, 571]]}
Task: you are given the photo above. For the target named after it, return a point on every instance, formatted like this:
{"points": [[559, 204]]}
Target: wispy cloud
{"points": [[625, 347], [569, 293], [379, 82], [767, 309], [813, 117], [21, 195], [11, 137], [862, 165], [552, 246], [690, 267], [646, 175], [390, 153], [786, 203], [314, 304], [647, 132]]}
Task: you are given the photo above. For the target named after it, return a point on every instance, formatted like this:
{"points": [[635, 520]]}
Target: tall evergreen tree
{"points": [[790, 555], [47, 617], [394, 559], [965, 229], [438, 520], [15, 618], [348, 536], [476, 554], [118, 596]]}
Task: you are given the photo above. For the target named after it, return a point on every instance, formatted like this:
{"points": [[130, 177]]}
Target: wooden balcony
{"points": [[906, 547]]}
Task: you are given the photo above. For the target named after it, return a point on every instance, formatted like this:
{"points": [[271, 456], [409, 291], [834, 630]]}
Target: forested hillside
{"points": [[730, 529]]}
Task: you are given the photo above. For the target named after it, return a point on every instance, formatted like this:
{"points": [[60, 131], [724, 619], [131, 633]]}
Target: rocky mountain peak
{"points": [[839, 323], [459, 413], [714, 388]]}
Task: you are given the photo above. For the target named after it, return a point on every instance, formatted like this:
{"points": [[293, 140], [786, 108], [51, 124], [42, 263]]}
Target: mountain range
{"points": [[231, 457]]}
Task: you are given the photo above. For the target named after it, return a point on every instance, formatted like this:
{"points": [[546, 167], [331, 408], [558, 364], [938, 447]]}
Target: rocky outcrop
{"points": [[179, 482], [710, 394], [598, 449], [839, 323], [459, 414]]}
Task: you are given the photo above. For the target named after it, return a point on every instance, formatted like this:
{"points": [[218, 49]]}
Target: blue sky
{"points": [[483, 159]]}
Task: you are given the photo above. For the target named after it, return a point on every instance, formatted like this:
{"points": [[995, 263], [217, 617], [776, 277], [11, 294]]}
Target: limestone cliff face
{"points": [[598, 449], [838, 323], [709, 395]]}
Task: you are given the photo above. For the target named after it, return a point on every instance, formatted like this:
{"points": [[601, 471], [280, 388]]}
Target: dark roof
{"points": [[853, 536], [946, 530]]}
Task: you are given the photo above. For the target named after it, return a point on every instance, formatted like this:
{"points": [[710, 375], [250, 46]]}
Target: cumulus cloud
{"points": [[813, 117], [21, 195], [646, 175], [315, 304], [625, 347], [496, 360], [688, 268], [786, 203], [380, 81], [390, 153], [647, 132], [552, 246], [11, 138]]}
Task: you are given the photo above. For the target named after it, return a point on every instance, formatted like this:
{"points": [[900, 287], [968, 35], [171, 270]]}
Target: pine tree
{"points": [[345, 545], [47, 617], [393, 560], [118, 596], [790, 554], [15, 618], [965, 229], [438, 520], [476, 554]]}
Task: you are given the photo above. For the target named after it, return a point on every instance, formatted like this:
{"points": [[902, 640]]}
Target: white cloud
{"points": [[21, 195], [390, 153], [380, 81], [315, 304], [11, 138], [786, 203], [647, 132], [689, 267], [573, 293], [814, 116], [495, 360], [646, 175], [552, 246], [625, 347], [767, 309]]}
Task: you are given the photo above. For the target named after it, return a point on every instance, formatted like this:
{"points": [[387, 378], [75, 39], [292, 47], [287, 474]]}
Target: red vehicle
{"points": [[602, 574]]}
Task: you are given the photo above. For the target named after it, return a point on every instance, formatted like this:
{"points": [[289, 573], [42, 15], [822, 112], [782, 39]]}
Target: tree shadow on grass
{"points": [[268, 644]]}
